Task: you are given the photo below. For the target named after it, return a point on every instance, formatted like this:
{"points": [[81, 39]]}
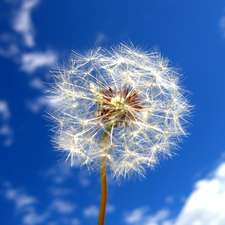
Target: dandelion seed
{"points": [[120, 110], [128, 99]]}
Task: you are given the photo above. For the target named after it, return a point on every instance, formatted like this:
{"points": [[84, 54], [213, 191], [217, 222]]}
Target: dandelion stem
{"points": [[104, 191]]}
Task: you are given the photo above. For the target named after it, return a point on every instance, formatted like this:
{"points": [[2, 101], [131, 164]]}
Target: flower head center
{"points": [[118, 102], [118, 107]]}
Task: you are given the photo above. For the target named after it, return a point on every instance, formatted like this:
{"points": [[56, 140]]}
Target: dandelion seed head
{"points": [[130, 95]]}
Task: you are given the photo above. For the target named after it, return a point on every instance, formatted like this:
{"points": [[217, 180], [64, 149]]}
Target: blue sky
{"points": [[36, 185]]}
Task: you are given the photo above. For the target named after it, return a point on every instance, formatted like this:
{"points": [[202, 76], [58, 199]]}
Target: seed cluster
{"points": [[119, 107], [131, 96]]}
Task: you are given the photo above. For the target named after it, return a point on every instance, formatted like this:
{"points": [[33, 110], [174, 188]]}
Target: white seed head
{"points": [[132, 96]]}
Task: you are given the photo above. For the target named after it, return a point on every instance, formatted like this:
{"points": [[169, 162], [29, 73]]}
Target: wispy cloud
{"points": [[37, 83], [136, 215], [100, 37], [62, 206], [57, 211], [57, 191], [109, 208], [62, 171], [84, 178], [75, 221], [14, 45], [169, 199], [159, 217], [36, 105], [32, 218], [222, 26], [5, 129], [19, 197], [206, 203], [91, 211], [34, 60], [4, 110], [22, 22], [58, 173], [142, 216], [10, 51], [204, 206]]}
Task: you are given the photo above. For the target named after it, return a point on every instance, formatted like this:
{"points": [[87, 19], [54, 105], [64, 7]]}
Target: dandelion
{"points": [[120, 110]]}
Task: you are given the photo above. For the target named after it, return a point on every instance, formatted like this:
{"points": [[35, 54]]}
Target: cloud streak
{"points": [[5, 129], [91, 211], [37, 104], [15, 45], [37, 84], [57, 211], [34, 60], [19, 197], [141, 216], [222, 26], [206, 204], [22, 22]]}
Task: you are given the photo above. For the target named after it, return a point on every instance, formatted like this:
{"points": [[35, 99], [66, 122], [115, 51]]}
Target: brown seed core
{"points": [[119, 107]]}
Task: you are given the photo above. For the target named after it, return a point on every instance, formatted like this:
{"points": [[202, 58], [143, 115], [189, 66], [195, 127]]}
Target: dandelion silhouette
{"points": [[120, 110]]}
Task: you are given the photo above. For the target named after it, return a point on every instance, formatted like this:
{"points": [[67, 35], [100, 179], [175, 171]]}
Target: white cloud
{"points": [[32, 218], [5, 129], [206, 204], [136, 216], [38, 104], [109, 208], [7, 37], [140, 216], [75, 221], [91, 211], [4, 110], [59, 173], [22, 22], [8, 142], [10, 43], [11, 51], [26, 207], [84, 178], [19, 197], [169, 199], [62, 206], [158, 218], [222, 26], [37, 84], [34, 60], [58, 191], [100, 37]]}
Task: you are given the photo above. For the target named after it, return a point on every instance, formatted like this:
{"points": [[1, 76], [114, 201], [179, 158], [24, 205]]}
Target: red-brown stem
{"points": [[103, 176], [102, 210]]}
